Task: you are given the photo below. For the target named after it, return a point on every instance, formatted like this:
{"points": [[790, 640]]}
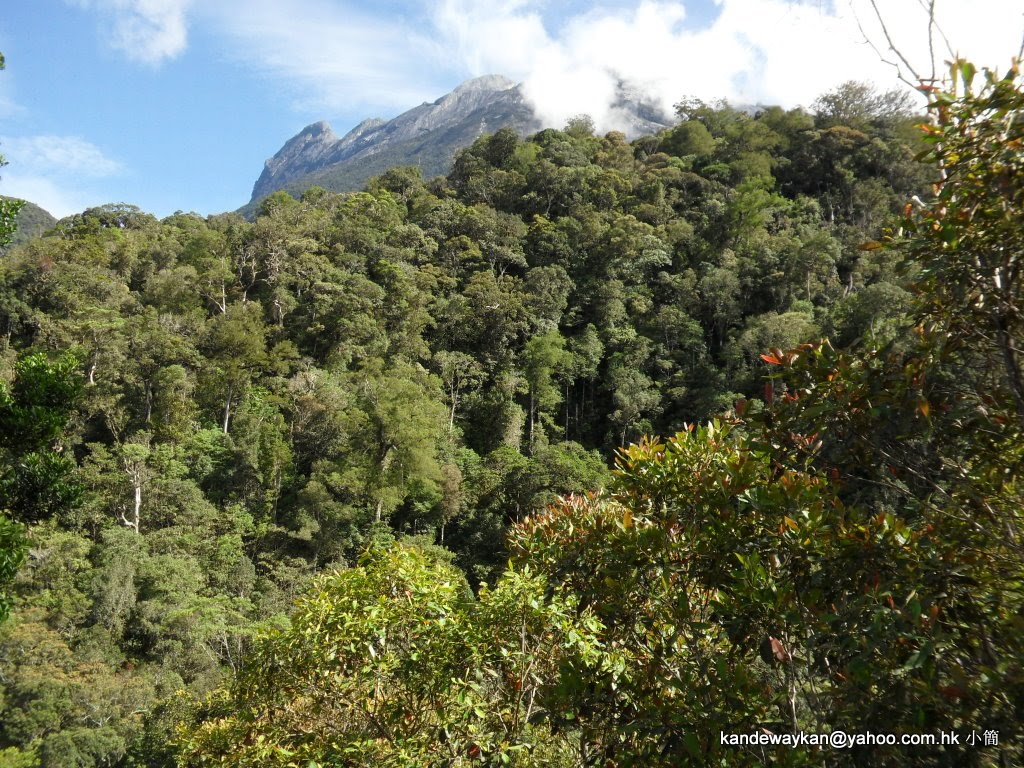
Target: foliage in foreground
{"points": [[847, 556], [632, 629], [393, 662]]}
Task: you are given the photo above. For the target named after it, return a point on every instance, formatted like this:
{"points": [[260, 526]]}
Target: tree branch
{"points": [[903, 62]]}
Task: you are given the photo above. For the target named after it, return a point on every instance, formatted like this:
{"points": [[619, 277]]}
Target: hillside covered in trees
{"points": [[401, 408]]}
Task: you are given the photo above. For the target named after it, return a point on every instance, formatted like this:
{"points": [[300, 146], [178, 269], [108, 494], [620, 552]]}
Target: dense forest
{"points": [[348, 484]]}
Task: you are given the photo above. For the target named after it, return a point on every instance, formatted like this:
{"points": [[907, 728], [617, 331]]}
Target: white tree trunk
{"points": [[227, 407]]}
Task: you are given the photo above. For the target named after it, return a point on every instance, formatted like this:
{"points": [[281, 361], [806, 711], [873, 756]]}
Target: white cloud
{"points": [[54, 171], [756, 51], [335, 56], [329, 55], [58, 199], [148, 31], [339, 56], [59, 154]]}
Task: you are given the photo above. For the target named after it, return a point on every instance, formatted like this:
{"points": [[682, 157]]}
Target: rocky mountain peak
{"points": [[317, 128], [486, 83], [428, 136], [301, 154]]}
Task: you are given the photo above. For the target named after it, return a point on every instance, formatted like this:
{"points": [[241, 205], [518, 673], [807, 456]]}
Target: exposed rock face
{"points": [[638, 115], [304, 153], [428, 135]]}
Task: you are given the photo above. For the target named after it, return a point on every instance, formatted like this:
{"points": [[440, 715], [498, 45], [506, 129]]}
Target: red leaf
{"points": [[771, 359], [779, 650]]}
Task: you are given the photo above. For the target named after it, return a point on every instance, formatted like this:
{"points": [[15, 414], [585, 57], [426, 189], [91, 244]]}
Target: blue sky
{"points": [[175, 104]]}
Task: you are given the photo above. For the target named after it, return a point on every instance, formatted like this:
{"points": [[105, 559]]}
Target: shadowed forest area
{"points": [[370, 480]]}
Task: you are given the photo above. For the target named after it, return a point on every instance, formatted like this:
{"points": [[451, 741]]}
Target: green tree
{"points": [[12, 554], [365, 669], [236, 348], [675, 565], [633, 396], [543, 356], [393, 663], [689, 138], [152, 348], [924, 425], [969, 238], [400, 423], [35, 475], [459, 372], [859, 105]]}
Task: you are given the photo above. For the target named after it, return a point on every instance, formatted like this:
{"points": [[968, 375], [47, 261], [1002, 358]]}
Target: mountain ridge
{"points": [[427, 136], [32, 220]]}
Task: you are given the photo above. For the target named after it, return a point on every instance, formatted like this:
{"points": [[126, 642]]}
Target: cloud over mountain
{"points": [[335, 54], [752, 51]]}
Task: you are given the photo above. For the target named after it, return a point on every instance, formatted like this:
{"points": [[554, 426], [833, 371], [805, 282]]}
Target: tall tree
{"points": [[236, 347], [543, 356], [35, 473]]}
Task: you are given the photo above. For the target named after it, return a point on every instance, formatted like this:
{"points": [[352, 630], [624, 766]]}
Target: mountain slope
{"points": [[428, 136], [32, 221]]}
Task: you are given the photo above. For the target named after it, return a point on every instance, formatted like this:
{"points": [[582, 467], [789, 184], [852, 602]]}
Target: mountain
{"points": [[32, 221], [428, 136]]}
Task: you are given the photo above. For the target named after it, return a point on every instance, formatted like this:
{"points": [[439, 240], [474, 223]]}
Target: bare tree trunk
{"points": [[385, 462], [532, 412], [566, 435], [137, 510], [278, 480], [133, 522], [1010, 364], [227, 407], [791, 695]]}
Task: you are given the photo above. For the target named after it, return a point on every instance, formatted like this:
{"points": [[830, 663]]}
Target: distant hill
{"points": [[428, 136], [32, 222]]}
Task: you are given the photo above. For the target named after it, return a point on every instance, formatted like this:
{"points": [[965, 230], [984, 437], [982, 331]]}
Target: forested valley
{"points": [[373, 479]]}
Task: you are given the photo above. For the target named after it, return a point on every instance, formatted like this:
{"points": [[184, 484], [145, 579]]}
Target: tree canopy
{"points": [[370, 478]]}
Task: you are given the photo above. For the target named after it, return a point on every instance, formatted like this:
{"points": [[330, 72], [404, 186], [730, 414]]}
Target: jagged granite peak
{"points": [[483, 83], [306, 151], [360, 131], [638, 112], [428, 136]]}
